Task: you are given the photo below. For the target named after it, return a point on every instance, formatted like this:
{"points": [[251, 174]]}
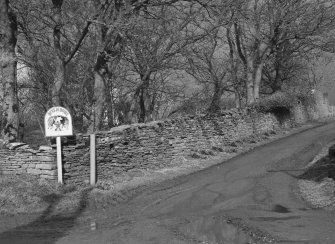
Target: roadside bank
{"points": [[316, 184]]}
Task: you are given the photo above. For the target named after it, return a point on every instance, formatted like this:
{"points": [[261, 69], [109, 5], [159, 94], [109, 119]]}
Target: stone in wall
{"points": [[19, 158]]}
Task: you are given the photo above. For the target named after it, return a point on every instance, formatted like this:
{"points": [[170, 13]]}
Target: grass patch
{"points": [[27, 194]]}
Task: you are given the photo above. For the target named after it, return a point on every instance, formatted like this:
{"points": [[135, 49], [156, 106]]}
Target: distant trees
{"points": [[297, 28], [273, 38], [208, 63], [277, 32]]}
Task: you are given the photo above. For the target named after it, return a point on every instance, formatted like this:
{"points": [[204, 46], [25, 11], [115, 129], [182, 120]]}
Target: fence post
{"points": [[92, 160], [59, 160]]}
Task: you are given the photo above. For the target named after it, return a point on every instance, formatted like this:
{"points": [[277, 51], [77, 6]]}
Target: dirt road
{"points": [[249, 199]]}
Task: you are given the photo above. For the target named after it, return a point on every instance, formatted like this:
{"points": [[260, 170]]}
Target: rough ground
{"points": [[252, 198], [315, 185]]}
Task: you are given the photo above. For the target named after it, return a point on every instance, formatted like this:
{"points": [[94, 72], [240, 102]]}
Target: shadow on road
{"points": [[47, 228]]}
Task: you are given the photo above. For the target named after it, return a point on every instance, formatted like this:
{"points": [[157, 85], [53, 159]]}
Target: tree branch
{"points": [[238, 44], [75, 49]]}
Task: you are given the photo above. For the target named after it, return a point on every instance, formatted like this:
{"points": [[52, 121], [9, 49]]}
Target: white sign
{"points": [[58, 122]]}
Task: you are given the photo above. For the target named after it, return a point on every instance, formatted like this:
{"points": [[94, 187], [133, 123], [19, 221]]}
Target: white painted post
{"points": [[92, 160], [59, 160], [93, 224], [331, 110]]}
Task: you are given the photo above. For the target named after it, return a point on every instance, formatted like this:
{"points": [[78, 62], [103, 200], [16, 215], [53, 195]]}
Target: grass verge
{"points": [[27, 194], [315, 185]]}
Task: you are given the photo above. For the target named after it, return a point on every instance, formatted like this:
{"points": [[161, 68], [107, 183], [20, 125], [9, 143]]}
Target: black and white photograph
{"points": [[167, 121]]}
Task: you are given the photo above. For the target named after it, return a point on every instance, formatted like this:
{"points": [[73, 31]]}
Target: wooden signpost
{"points": [[93, 170], [58, 123]]}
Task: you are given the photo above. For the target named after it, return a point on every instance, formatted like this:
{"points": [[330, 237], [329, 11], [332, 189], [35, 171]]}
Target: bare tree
{"points": [[113, 17], [8, 66], [117, 27], [208, 63], [265, 28], [155, 48], [61, 60]]}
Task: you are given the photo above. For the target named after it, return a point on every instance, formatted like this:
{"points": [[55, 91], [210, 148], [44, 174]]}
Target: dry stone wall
{"points": [[140, 146], [19, 158], [161, 143]]}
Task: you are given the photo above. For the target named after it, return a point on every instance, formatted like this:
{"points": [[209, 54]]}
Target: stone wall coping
{"points": [[23, 147], [157, 123]]}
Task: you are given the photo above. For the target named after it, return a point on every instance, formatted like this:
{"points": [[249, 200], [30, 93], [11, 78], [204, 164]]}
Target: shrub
{"points": [[306, 99], [277, 102]]}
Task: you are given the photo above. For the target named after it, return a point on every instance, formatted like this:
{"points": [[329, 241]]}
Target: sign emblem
{"points": [[58, 122]]}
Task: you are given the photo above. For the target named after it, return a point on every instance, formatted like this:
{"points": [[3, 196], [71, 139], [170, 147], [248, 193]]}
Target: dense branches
{"points": [[122, 61]]}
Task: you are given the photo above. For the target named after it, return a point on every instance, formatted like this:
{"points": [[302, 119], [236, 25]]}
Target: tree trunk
{"points": [[8, 63], [98, 100], [60, 63], [110, 105], [250, 82], [248, 62], [142, 97], [278, 81], [100, 73], [143, 102], [59, 80], [142, 112], [257, 80], [215, 105], [234, 69], [238, 102], [151, 115]]}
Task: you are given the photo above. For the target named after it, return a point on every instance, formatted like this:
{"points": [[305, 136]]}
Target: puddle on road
{"points": [[280, 209], [214, 230]]}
